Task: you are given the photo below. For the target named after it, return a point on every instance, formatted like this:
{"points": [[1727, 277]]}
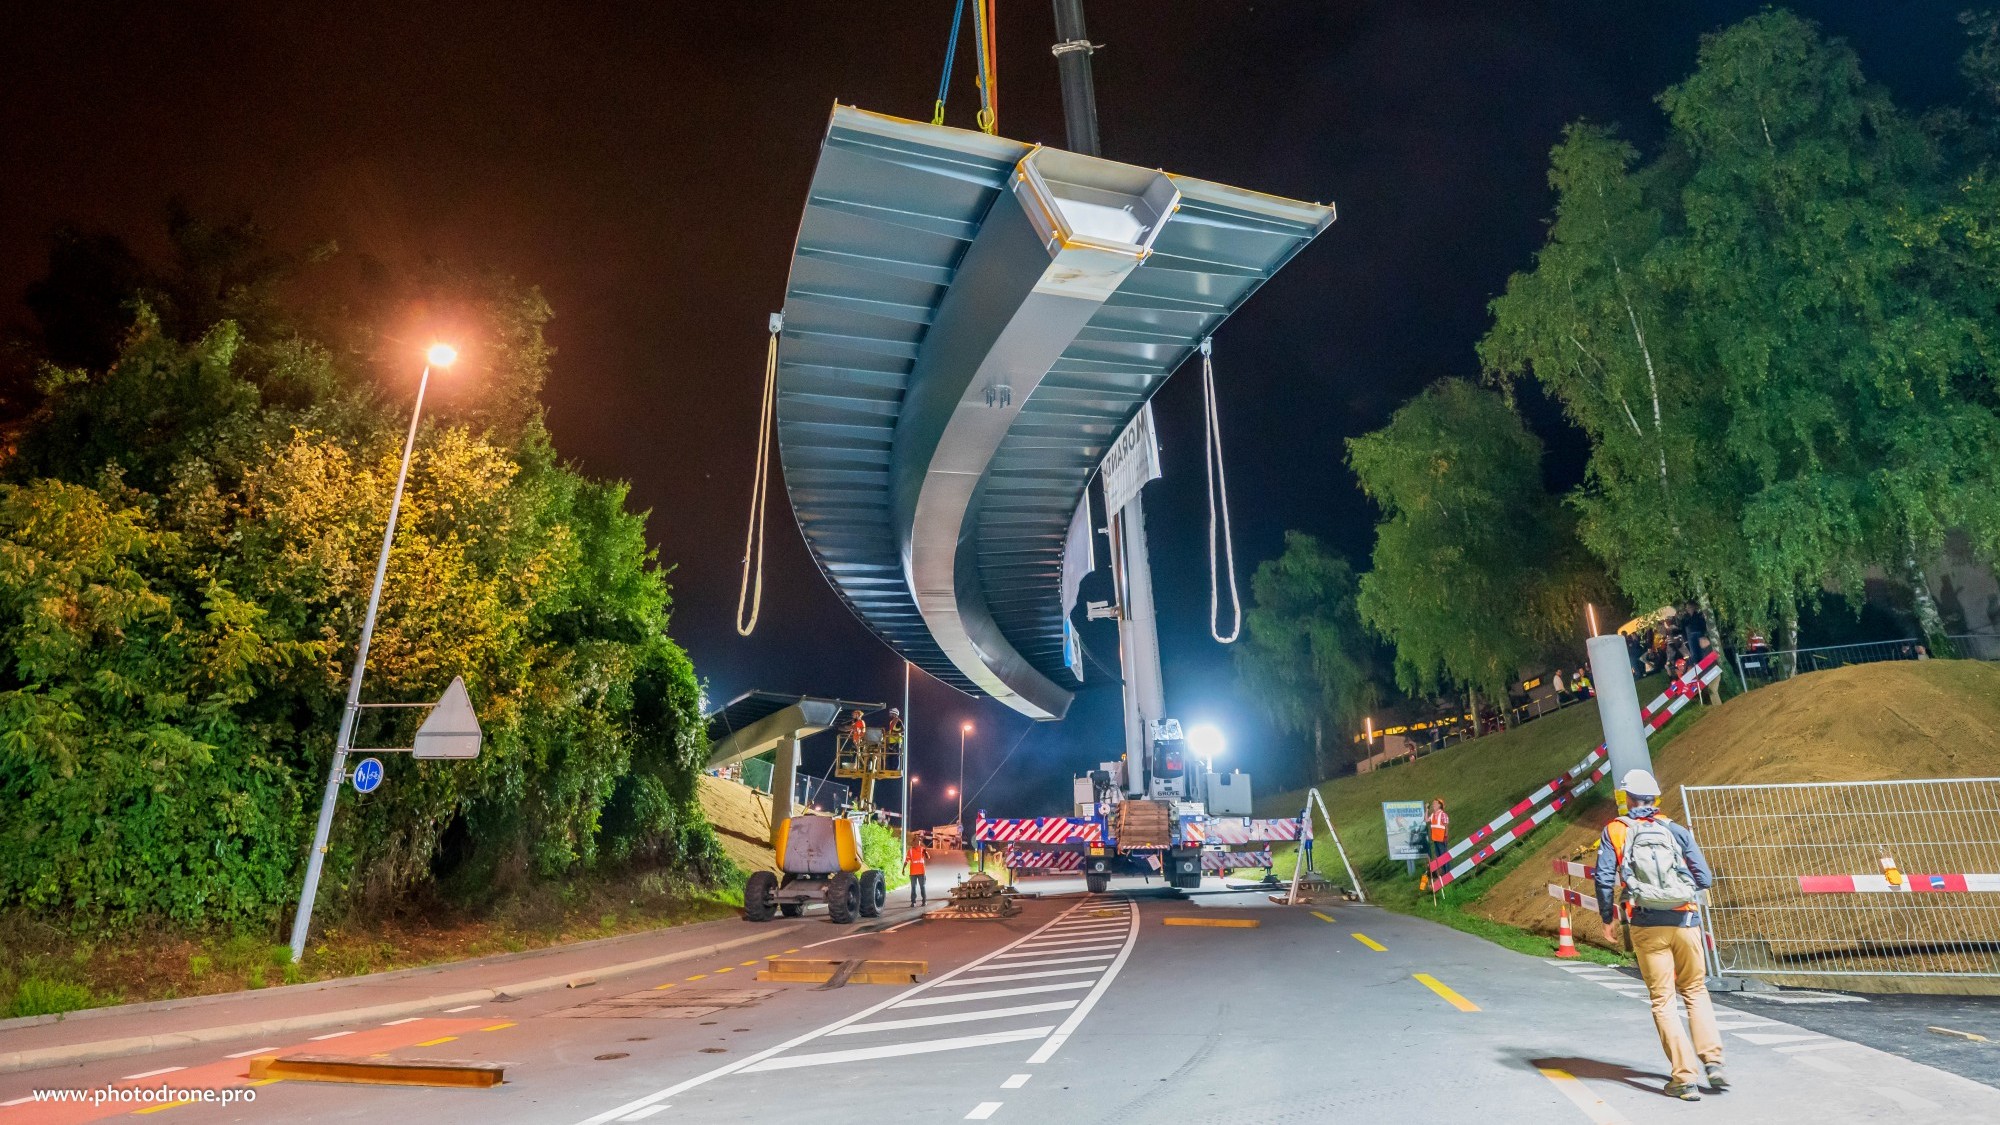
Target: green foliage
{"points": [[882, 849], [40, 996], [187, 540], [1306, 661], [1476, 569]]}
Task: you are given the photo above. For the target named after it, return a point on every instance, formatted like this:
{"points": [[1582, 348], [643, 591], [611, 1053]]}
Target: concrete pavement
{"points": [[1085, 1009]]}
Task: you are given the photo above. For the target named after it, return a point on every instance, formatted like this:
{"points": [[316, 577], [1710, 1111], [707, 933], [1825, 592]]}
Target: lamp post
{"points": [[439, 356], [963, 730]]}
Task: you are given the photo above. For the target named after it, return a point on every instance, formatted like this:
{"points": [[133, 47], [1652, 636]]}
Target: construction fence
{"points": [[1852, 879]]}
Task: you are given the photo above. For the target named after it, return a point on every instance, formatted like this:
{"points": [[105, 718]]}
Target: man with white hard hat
{"points": [[1650, 873]]}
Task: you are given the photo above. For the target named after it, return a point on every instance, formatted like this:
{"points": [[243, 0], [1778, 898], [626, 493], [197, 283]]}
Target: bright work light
{"points": [[442, 355]]}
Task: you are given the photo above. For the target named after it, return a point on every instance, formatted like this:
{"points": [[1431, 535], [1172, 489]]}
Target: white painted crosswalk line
{"points": [[1063, 942], [1005, 957], [1822, 1045], [1766, 1039], [982, 1111], [954, 1017], [893, 1050], [1015, 1081], [963, 997], [1019, 976], [1094, 957]]}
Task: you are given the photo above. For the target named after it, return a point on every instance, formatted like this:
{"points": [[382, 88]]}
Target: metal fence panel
{"points": [[1928, 919], [1756, 668]]}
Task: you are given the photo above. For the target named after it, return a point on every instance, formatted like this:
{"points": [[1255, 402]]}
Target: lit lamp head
{"points": [[1206, 742], [441, 355]]}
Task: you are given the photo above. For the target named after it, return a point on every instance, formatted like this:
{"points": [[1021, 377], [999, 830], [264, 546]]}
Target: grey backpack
{"points": [[1655, 869]]}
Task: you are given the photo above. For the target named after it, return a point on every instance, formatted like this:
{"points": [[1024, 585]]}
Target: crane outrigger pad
{"points": [[969, 323]]}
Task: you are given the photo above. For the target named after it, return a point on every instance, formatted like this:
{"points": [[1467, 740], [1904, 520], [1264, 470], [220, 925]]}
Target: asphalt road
{"points": [[1080, 1009]]}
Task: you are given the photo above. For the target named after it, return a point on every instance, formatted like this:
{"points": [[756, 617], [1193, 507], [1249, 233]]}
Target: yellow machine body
{"points": [[817, 845]]}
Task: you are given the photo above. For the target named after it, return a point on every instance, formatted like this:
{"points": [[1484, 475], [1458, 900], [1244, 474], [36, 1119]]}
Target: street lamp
{"points": [[439, 356], [963, 730]]}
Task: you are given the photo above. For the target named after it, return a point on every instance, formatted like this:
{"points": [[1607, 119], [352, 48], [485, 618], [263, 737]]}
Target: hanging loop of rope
{"points": [[750, 595], [1218, 500], [950, 56], [989, 66]]}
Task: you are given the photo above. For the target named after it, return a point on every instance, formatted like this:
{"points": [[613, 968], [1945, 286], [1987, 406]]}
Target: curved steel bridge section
{"points": [[969, 323]]}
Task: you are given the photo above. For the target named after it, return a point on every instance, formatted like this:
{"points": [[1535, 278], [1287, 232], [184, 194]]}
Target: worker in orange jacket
{"points": [[913, 862], [1439, 823]]}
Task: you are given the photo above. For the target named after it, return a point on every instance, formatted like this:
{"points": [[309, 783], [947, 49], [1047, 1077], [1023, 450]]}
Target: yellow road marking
{"points": [[1370, 942], [438, 1040], [498, 1027], [1596, 1108], [1452, 998], [745, 964], [657, 987], [791, 951], [165, 1105], [698, 976], [726, 969], [263, 1081], [1323, 917], [1227, 923]]}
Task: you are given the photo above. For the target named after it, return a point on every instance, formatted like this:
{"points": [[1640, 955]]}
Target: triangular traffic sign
{"points": [[451, 730]]}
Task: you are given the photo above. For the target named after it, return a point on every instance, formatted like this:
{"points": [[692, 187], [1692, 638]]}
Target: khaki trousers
{"points": [[1670, 960]]}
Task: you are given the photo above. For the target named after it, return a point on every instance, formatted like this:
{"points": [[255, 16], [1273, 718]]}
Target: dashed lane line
{"points": [[1444, 990], [1594, 1107], [251, 1051], [1369, 942], [151, 1073], [982, 1111], [1015, 1081], [1322, 917]]}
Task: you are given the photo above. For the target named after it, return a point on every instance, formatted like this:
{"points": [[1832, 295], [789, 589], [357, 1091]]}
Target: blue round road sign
{"points": [[367, 775]]}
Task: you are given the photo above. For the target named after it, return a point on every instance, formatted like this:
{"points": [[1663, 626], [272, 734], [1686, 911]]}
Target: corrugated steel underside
{"points": [[892, 208]]}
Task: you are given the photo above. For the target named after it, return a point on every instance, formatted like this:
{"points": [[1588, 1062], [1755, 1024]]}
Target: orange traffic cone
{"points": [[1565, 941]]}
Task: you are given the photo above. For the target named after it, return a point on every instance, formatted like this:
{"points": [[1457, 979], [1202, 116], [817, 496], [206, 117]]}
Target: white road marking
{"points": [[1904, 1098], [1826, 1045], [749, 1060], [955, 1017], [893, 1050], [331, 1035], [1053, 945], [1818, 1063], [982, 1111], [1055, 1041], [900, 925], [1023, 976], [990, 994], [1766, 1039], [151, 1073], [404, 1020], [1107, 924], [643, 1114], [1015, 1081], [1041, 951], [1047, 961], [460, 1008], [251, 1051], [18, 1101], [1597, 1109]]}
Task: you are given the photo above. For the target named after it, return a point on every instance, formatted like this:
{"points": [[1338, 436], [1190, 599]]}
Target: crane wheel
{"points": [[1097, 883], [759, 895], [874, 892], [843, 897]]}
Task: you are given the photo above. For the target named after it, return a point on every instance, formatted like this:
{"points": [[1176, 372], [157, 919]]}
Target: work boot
{"points": [[1717, 1080], [1685, 1091]]}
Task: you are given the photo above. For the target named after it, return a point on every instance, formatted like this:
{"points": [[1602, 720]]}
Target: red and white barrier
{"points": [[1572, 869], [1679, 692], [1019, 861], [1912, 884], [1574, 898], [1229, 861], [1486, 831], [1247, 831], [1518, 831], [1038, 830]]}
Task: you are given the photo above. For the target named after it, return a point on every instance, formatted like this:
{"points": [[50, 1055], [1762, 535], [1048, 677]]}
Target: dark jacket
{"points": [[1606, 875]]}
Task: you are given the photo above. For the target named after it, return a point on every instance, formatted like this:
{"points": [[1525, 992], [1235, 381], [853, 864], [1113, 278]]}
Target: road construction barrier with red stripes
{"points": [[1573, 869], [1230, 861], [1574, 898], [1021, 861], [1518, 831], [1678, 694], [1243, 830], [1484, 832], [1038, 830], [1911, 884]]}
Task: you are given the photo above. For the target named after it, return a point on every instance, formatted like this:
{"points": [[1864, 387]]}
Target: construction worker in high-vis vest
{"points": [[913, 862]]}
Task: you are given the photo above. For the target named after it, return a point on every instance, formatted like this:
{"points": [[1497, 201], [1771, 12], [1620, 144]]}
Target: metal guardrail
{"points": [[1852, 879], [1755, 669]]}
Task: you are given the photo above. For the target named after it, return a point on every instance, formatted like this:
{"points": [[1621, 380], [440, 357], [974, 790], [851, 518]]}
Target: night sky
{"points": [[645, 164]]}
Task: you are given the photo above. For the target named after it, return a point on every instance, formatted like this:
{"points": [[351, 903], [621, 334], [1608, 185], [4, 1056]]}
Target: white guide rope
{"points": [[1218, 498], [750, 594]]}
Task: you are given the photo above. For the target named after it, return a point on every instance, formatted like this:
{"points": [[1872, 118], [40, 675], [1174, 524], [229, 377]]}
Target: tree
{"points": [[1477, 570], [1306, 660]]}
